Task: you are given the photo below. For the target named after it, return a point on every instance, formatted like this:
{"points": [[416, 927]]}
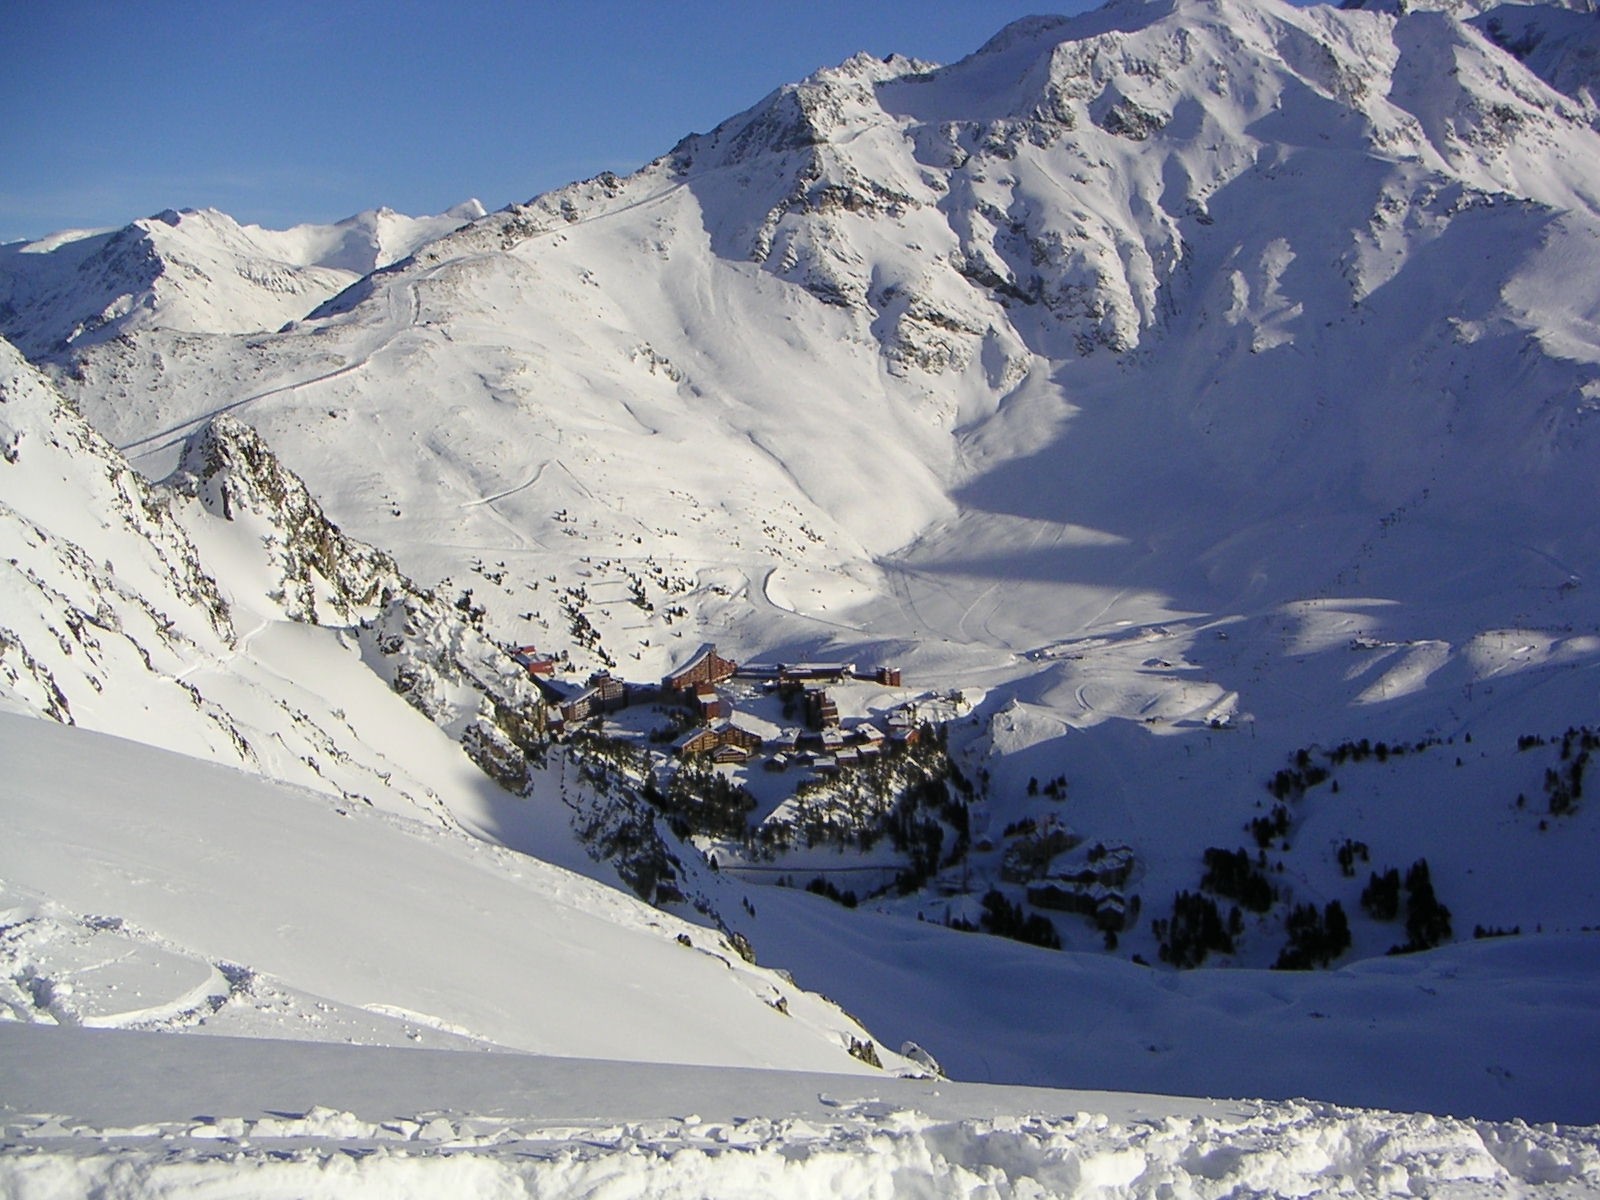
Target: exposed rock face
{"points": [[230, 470], [99, 576], [109, 596], [431, 651]]}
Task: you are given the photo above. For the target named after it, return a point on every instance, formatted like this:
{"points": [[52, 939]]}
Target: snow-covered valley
{"points": [[1142, 480]]}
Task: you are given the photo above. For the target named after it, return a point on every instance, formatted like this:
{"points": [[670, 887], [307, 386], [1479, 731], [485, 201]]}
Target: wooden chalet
{"points": [[712, 740], [869, 740], [571, 703], [610, 694], [1108, 908], [707, 666], [903, 727]]}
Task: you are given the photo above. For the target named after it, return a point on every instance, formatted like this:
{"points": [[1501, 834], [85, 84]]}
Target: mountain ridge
{"points": [[196, 270]]}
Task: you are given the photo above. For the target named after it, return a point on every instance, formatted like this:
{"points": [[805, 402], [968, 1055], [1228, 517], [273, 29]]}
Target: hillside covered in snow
{"points": [[1084, 556]]}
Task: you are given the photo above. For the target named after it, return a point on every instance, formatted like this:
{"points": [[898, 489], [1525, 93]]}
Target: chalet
{"points": [[1111, 866], [574, 704], [724, 735], [707, 666], [1109, 908], [534, 663], [888, 677], [821, 710], [903, 727], [832, 741]]}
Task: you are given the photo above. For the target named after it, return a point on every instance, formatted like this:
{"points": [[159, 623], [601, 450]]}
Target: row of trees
{"points": [[1004, 918]]}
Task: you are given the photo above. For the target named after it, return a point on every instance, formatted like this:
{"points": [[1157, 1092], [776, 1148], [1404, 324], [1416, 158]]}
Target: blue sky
{"points": [[293, 111]]}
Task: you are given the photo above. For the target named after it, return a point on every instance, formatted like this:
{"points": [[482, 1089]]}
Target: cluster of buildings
{"points": [[696, 685], [1092, 884]]}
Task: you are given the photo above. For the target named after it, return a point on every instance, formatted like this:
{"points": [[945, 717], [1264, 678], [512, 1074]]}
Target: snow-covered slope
{"points": [[1139, 304], [225, 619], [198, 271], [202, 880]]}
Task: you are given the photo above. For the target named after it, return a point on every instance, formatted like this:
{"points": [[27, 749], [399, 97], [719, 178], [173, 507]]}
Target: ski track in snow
{"points": [[510, 491], [239, 648], [391, 329]]}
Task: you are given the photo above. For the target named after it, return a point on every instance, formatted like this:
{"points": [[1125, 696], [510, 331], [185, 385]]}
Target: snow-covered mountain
{"points": [[223, 618], [1195, 399], [197, 271]]}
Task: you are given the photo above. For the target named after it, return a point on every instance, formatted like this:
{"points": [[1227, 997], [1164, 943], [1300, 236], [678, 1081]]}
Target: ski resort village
{"points": [[1017, 617]]}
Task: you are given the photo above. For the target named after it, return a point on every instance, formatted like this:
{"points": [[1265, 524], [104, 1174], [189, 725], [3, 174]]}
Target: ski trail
{"points": [[601, 216], [223, 659], [392, 328], [510, 491]]}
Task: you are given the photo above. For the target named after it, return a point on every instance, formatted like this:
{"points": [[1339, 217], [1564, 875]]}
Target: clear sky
{"points": [[285, 111]]}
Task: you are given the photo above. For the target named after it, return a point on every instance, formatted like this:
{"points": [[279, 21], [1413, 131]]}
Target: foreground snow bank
{"points": [[114, 1114], [870, 1149]]}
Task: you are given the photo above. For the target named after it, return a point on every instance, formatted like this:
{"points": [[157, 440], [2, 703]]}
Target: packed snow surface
{"points": [[125, 1116]]}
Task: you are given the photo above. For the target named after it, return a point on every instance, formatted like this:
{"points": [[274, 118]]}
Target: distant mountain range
{"points": [[197, 270]]}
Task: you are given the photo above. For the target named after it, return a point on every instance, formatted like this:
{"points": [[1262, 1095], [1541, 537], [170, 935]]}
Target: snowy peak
{"points": [[195, 270], [1049, 183], [376, 238]]}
